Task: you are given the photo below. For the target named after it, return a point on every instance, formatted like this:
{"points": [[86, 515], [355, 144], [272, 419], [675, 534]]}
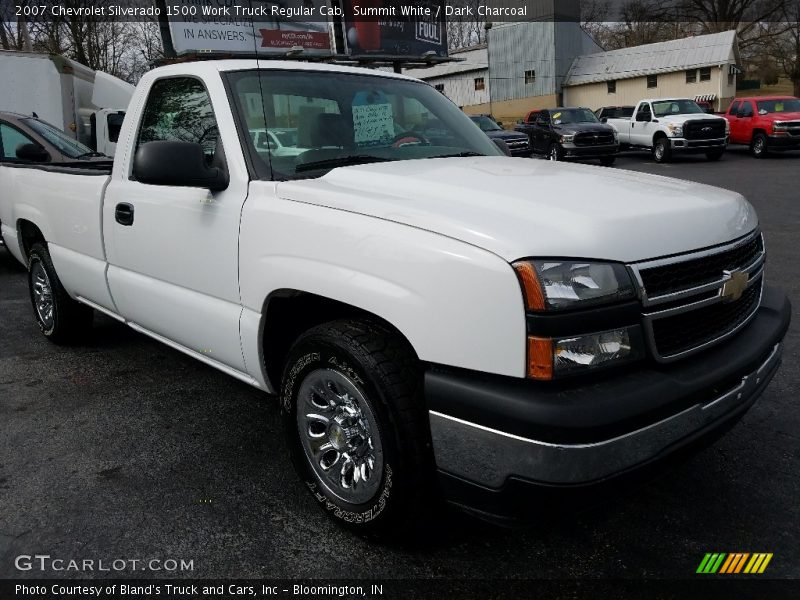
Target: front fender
{"points": [[457, 304]]}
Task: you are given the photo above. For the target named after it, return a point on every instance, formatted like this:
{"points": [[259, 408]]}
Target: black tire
{"points": [[607, 161], [384, 372], [662, 152], [555, 153], [61, 319], [714, 155], [759, 146]]}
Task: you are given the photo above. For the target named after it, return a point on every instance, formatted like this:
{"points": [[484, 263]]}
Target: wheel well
{"points": [[755, 131], [29, 234], [290, 313], [658, 135]]}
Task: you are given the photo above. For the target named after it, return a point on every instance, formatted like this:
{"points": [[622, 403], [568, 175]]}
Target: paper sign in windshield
{"points": [[373, 124]]}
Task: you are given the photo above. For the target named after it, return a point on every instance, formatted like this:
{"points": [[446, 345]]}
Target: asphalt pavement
{"points": [[125, 449]]}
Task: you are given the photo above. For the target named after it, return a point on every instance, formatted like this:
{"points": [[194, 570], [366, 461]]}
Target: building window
{"points": [[691, 76], [439, 87], [652, 81], [480, 83], [612, 87], [530, 76], [705, 74], [730, 80]]}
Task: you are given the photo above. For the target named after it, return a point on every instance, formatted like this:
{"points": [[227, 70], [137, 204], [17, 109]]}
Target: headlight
{"points": [[779, 125], [616, 136], [552, 358], [557, 285], [566, 139], [675, 130]]}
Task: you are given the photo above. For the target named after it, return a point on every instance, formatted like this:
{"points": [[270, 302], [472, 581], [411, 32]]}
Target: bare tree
{"points": [[465, 28], [784, 47]]}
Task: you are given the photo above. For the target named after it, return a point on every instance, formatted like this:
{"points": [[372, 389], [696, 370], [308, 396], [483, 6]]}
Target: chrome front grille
{"points": [[695, 300]]}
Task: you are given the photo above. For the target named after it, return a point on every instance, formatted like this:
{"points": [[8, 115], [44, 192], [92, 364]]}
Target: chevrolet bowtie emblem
{"points": [[735, 286]]}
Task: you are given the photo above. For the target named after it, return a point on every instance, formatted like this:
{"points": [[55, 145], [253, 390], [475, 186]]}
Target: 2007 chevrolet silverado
{"points": [[436, 317]]}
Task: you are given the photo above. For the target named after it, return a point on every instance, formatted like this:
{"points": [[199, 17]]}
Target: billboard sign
{"points": [[249, 26], [383, 27]]}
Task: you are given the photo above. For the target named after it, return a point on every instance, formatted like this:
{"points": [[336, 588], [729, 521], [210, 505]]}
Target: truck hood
{"points": [[516, 207], [678, 119]]}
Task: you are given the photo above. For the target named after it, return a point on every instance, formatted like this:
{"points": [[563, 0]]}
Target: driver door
{"points": [[173, 251], [642, 130]]}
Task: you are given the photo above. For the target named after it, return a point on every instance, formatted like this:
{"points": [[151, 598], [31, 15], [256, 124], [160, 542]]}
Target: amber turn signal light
{"points": [[534, 298], [540, 358]]}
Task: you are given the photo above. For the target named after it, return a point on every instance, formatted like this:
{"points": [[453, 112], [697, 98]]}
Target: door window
{"points": [[735, 108], [746, 109], [179, 109], [644, 113], [10, 140]]}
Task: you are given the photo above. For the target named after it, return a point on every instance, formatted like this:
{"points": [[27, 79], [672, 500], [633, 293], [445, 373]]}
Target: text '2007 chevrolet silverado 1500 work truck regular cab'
{"points": [[436, 317]]}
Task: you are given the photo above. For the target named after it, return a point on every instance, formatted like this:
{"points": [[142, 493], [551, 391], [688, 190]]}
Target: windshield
{"points": [[66, 145], [781, 105], [567, 116], [334, 119], [665, 108], [486, 124]]}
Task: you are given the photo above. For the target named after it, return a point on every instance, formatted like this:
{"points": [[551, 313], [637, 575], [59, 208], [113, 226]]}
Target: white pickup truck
{"points": [[672, 125], [436, 317]]}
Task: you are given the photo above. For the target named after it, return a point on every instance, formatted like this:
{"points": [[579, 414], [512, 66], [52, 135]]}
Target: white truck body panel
{"points": [[520, 208]]}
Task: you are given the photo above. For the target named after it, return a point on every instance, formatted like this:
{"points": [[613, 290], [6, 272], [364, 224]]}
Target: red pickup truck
{"points": [[765, 123]]}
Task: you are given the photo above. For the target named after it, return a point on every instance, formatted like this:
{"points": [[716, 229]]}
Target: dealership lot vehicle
{"points": [[356, 278], [517, 143], [564, 133], [672, 125], [26, 139], [765, 124], [87, 105]]}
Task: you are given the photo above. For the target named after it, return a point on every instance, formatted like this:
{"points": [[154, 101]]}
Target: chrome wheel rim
{"points": [[42, 294], [339, 435], [554, 154], [758, 145]]}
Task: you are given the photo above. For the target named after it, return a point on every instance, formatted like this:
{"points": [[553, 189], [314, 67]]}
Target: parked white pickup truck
{"points": [[670, 125], [436, 317]]}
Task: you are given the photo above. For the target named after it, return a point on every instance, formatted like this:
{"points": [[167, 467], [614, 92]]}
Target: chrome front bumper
{"points": [[488, 457]]}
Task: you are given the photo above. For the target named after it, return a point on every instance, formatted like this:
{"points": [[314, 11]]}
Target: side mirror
{"points": [[32, 153], [502, 145], [500, 123], [181, 164], [604, 119]]}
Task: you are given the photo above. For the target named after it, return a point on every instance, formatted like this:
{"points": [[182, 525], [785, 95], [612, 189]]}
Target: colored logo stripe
{"points": [[735, 562]]}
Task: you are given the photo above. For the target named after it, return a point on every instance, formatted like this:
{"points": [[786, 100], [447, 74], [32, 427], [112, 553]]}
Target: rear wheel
{"points": [[357, 427], [556, 153], [607, 161], [661, 150], [759, 146], [714, 155], [61, 319]]}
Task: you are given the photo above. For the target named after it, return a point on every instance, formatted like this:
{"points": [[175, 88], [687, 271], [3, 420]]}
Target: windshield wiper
{"points": [[459, 155], [89, 154], [341, 161]]}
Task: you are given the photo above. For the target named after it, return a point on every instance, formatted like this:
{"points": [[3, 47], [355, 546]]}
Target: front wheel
{"points": [[357, 427], [556, 153], [759, 146], [661, 150], [714, 155], [61, 319], [607, 161]]}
